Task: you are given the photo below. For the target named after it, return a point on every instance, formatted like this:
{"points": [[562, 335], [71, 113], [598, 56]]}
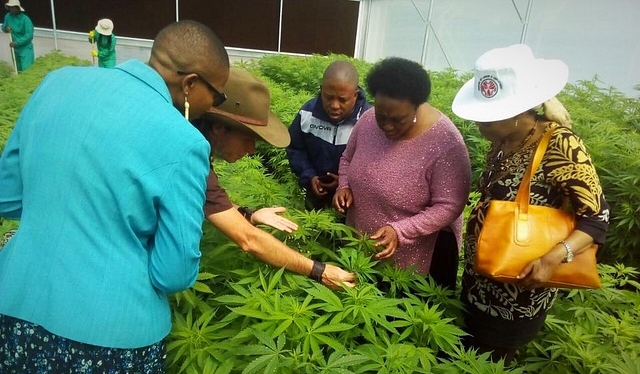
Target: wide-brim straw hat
{"points": [[247, 106], [105, 27], [14, 3], [508, 81]]}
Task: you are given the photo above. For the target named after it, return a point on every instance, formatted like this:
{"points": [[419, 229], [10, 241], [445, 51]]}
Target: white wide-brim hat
{"points": [[508, 81], [105, 27], [14, 3]]}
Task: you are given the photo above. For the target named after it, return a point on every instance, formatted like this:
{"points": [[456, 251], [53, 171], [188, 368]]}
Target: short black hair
{"points": [[399, 78]]}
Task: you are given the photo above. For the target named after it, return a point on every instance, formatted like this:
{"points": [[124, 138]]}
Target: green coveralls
{"points": [[106, 51], [22, 34]]}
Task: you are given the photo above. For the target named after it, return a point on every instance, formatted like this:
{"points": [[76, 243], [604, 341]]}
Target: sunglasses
{"points": [[218, 97]]}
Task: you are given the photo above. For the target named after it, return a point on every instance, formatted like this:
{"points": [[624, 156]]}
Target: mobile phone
{"points": [[325, 178]]}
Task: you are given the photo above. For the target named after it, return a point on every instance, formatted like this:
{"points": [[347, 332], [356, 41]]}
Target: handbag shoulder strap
{"points": [[522, 197]]}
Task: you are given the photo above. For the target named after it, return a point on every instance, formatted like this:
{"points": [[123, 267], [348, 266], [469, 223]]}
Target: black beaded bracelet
{"points": [[317, 270], [246, 212]]}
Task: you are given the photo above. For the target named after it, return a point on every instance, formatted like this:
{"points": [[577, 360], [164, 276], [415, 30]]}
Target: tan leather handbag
{"points": [[515, 233]]}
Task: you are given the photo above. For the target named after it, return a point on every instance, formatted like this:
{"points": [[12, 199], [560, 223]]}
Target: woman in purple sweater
{"points": [[405, 174]]}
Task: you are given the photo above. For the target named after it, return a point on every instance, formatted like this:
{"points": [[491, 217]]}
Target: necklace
{"points": [[498, 160]]}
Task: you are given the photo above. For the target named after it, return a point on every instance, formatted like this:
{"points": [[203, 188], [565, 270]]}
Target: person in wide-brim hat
{"points": [[105, 27], [512, 100], [232, 129], [246, 110], [20, 28], [12, 3]]}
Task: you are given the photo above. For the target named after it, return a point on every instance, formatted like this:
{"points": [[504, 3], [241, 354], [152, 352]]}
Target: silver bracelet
{"points": [[567, 246]]}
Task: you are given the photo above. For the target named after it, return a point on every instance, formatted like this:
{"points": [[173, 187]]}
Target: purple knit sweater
{"points": [[418, 186]]}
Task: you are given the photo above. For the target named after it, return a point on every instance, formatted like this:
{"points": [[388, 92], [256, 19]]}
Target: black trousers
{"points": [[445, 260]]}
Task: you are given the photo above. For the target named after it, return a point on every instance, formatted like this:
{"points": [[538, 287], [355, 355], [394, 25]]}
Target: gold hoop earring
{"points": [[186, 107]]}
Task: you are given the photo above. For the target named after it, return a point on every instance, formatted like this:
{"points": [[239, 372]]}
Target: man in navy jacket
{"points": [[320, 132]]}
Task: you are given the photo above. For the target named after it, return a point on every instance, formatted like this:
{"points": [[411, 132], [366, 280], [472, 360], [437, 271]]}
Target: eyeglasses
{"points": [[218, 97]]}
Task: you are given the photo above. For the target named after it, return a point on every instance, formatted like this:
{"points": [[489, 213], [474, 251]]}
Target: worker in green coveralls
{"points": [[105, 43], [20, 26]]}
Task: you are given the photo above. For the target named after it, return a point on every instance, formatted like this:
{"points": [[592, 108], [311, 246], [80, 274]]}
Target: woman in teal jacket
{"points": [[21, 28], [105, 43]]}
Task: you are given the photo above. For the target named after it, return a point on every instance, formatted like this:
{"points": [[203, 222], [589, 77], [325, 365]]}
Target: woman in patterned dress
{"points": [[512, 100]]}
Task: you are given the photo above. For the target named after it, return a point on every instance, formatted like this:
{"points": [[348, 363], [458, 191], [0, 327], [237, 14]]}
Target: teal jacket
{"points": [[22, 35], [109, 191]]}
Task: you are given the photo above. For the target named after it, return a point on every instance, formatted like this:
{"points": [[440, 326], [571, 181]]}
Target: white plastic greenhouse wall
{"points": [[594, 37]]}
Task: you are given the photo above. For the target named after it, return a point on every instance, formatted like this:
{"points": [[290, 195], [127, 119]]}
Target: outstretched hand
{"points": [[271, 217], [335, 278]]}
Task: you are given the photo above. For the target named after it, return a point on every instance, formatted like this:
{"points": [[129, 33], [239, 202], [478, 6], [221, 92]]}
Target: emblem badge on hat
{"points": [[489, 86]]}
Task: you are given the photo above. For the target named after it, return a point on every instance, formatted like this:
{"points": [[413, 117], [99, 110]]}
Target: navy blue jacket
{"points": [[316, 142]]}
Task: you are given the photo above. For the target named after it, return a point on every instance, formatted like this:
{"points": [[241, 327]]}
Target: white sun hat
{"points": [[11, 3], [508, 81], [105, 27]]}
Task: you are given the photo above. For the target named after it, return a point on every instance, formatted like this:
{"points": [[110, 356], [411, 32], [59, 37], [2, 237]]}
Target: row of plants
{"points": [[243, 316]]}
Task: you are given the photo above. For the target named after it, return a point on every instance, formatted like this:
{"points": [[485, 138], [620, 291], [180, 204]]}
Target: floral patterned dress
{"points": [[506, 315]]}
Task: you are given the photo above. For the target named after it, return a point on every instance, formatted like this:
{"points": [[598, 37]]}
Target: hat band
{"points": [[248, 120]]}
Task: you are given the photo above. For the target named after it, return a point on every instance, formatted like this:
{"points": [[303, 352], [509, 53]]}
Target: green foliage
{"points": [[303, 73], [609, 124], [5, 70], [593, 331], [243, 316]]}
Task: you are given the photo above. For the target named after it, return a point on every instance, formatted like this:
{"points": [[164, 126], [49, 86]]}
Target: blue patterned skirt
{"points": [[27, 348]]}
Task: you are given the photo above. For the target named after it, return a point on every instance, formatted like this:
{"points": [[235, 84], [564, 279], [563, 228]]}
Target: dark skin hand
{"points": [[538, 271], [320, 185], [343, 199], [387, 238]]}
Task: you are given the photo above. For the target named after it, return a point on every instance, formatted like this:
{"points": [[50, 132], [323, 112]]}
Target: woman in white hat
{"points": [[20, 26], [105, 43], [512, 100]]}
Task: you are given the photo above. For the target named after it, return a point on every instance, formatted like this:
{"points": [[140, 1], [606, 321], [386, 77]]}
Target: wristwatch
{"points": [[569, 257], [246, 212]]}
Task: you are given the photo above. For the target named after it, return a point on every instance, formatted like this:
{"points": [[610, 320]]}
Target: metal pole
{"points": [[429, 30], [55, 30], [280, 25], [525, 26], [177, 10], [13, 54], [362, 36], [425, 42]]}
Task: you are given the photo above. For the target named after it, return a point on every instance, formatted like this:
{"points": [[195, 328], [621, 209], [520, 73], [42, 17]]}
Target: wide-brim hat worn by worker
{"points": [[105, 27], [508, 81], [247, 106], [11, 3]]}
